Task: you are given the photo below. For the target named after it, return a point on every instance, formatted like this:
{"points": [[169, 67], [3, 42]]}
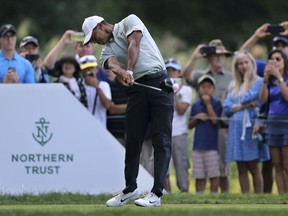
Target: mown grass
{"points": [[175, 198], [172, 204]]}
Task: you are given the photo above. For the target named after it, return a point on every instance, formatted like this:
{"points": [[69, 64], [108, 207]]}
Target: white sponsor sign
{"points": [[50, 143]]}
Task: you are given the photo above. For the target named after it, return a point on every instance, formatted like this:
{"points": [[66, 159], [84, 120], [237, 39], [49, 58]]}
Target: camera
{"points": [[275, 29], [208, 50]]}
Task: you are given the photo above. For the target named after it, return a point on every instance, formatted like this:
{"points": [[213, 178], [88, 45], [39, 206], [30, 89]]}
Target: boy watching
{"points": [[204, 117]]}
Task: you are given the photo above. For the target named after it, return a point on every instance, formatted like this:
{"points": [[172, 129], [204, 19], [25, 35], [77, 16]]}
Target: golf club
{"points": [[167, 85], [147, 86]]}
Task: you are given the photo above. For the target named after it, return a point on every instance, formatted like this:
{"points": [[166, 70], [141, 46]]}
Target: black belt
{"points": [[151, 76]]}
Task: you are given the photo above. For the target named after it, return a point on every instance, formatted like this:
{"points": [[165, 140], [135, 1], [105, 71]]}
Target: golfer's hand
{"points": [[127, 78]]}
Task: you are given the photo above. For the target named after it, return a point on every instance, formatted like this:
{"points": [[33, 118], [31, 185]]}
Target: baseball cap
{"points": [[173, 63], [88, 61], [280, 39], [7, 28], [220, 48], [29, 39], [206, 77], [88, 25]]}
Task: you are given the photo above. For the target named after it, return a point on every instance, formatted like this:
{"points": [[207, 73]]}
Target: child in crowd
{"points": [[204, 117]]}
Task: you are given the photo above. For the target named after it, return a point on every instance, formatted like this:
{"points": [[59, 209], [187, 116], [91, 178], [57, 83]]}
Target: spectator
{"points": [[222, 76], [98, 92], [81, 50], [204, 118], [182, 103], [69, 74], [241, 105], [13, 67], [274, 91], [279, 42], [29, 49], [116, 114]]}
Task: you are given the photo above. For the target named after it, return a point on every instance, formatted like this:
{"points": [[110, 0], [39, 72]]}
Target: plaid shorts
{"points": [[205, 164]]}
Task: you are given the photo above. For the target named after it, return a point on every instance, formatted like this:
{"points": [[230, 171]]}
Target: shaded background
{"points": [[177, 26]]}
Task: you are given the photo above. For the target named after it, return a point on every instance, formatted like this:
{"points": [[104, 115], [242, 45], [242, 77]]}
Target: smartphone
{"points": [[275, 29], [77, 37], [12, 69], [208, 50]]}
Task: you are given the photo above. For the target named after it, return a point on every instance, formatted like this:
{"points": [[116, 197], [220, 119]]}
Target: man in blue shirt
{"points": [[13, 67]]}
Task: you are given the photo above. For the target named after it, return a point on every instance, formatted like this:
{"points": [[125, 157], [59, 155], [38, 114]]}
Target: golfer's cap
{"points": [[173, 63], [88, 61], [7, 28], [88, 25], [29, 39], [206, 77]]}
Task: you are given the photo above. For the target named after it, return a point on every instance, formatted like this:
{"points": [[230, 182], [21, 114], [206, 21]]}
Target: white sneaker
{"points": [[121, 199], [149, 200]]}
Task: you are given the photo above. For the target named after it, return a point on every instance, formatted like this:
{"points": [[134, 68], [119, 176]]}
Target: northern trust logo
{"points": [[43, 135]]}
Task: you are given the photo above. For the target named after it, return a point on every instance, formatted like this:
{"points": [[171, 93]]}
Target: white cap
{"points": [[88, 25]]}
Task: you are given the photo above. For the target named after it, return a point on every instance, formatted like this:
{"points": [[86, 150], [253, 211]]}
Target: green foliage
{"points": [[193, 21]]}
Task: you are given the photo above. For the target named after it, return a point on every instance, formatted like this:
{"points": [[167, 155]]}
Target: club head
{"points": [[166, 85]]}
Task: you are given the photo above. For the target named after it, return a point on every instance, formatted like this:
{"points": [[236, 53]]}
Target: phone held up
{"points": [[208, 50], [275, 29], [77, 37]]}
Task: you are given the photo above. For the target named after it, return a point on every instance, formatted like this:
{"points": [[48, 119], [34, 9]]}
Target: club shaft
{"points": [[147, 86]]}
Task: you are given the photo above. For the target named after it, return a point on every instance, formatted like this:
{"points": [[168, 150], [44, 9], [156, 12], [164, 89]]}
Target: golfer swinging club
{"points": [[131, 53]]}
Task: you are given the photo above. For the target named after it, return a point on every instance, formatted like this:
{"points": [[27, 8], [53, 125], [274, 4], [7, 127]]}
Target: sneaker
{"points": [[149, 200], [121, 199]]}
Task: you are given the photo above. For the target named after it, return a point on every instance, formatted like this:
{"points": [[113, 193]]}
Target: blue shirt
{"points": [[23, 68], [260, 67], [206, 133], [277, 103]]}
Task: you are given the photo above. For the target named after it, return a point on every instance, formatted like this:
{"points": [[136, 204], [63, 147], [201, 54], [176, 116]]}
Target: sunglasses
{"points": [[171, 60], [87, 60]]}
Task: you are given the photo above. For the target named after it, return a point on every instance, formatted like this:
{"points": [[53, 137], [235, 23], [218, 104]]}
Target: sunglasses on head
{"points": [[87, 60], [171, 60]]}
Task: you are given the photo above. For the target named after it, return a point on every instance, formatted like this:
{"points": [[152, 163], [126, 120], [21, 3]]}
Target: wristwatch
{"points": [[281, 80]]}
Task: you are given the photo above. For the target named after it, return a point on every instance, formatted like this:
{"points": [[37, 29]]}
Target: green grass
{"points": [[168, 210], [172, 204]]}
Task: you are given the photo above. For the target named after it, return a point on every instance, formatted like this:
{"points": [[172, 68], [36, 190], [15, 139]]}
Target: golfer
{"points": [[131, 53]]}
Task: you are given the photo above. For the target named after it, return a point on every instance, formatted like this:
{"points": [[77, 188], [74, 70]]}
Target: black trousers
{"points": [[148, 106]]}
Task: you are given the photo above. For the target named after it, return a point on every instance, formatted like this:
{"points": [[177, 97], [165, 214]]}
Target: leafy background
{"points": [[177, 26]]}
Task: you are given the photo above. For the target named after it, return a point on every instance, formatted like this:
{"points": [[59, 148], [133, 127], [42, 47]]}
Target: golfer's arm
{"points": [[113, 64], [133, 49]]}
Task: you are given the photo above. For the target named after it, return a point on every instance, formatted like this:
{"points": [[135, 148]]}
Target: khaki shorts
{"points": [[224, 167], [205, 164]]}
